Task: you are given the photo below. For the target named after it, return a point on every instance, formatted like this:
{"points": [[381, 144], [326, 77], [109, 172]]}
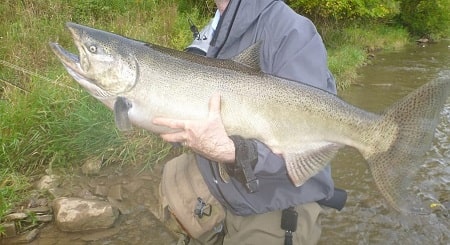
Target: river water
{"points": [[366, 218]]}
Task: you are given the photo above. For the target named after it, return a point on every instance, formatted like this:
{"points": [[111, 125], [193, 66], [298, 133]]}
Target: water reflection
{"points": [[367, 219]]}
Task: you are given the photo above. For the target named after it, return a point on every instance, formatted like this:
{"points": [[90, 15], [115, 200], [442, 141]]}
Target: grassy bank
{"points": [[350, 47], [48, 122]]}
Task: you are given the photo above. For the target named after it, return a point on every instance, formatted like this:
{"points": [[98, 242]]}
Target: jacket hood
{"points": [[236, 20]]}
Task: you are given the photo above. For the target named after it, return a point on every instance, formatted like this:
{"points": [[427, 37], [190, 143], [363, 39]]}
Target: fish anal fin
{"points": [[303, 165], [121, 107]]}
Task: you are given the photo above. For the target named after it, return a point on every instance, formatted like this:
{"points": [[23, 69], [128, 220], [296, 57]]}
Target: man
{"points": [[290, 48]]}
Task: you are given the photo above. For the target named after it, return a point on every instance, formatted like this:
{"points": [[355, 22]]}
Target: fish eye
{"points": [[93, 49]]}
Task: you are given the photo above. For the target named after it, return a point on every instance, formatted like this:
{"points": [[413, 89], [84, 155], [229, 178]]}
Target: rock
{"points": [[116, 192], [9, 229], [29, 236], [44, 218], [76, 214], [48, 182], [86, 194], [423, 40], [101, 190], [37, 202], [92, 166], [38, 210], [16, 216]]}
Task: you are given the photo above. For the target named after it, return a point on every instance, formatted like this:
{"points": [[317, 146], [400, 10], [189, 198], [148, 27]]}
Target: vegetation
{"points": [[346, 10], [48, 122], [426, 18]]}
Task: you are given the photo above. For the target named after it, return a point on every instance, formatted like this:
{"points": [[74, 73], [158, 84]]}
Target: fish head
{"points": [[105, 63]]}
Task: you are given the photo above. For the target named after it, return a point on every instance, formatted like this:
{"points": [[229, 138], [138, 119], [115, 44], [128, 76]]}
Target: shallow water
{"points": [[366, 218]]}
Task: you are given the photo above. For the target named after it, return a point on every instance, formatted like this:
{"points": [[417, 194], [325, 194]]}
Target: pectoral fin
{"points": [[121, 107], [303, 165]]}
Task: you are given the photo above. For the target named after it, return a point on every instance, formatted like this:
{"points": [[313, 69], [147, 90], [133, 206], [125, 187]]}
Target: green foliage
{"points": [[12, 187], [345, 10], [426, 17], [46, 119]]}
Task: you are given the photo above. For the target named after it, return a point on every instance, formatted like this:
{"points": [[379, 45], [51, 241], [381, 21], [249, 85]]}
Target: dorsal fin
{"points": [[250, 56]]}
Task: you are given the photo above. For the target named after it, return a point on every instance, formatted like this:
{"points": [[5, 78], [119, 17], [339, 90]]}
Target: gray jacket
{"points": [[292, 49]]}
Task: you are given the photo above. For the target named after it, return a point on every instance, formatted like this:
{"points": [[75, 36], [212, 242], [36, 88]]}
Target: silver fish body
{"points": [[140, 81]]}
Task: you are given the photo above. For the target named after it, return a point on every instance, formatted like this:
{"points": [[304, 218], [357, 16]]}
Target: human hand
{"points": [[206, 137]]}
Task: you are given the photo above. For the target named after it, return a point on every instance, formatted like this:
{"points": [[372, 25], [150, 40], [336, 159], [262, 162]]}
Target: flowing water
{"points": [[366, 218]]}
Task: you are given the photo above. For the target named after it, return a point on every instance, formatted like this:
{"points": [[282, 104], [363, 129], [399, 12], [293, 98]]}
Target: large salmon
{"points": [[140, 81]]}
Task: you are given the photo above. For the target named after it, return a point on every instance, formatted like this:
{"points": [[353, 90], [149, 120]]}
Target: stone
{"points": [[92, 166], [44, 218], [9, 229], [38, 210], [29, 236], [48, 182], [101, 190], [116, 192], [51, 184], [76, 214], [16, 216]]}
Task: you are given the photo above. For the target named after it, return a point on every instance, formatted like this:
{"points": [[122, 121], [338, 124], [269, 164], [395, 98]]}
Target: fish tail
{"points": [[409, 127]]}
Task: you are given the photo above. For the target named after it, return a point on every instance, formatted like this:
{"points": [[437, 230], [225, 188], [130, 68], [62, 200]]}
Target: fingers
{"points": [[170, 123], [214, 105], [179, 136], [175, 137]]}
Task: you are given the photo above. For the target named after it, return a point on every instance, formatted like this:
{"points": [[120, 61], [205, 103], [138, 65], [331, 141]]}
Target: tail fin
{"points": [[416, 117]]}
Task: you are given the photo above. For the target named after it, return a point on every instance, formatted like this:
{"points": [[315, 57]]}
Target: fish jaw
{"points": [[72, 65], [100, 61]]}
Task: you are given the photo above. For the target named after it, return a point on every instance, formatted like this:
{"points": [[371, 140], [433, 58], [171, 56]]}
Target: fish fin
{"points": [[302, 166], [415, 118], [250, 56], [121, 107]]}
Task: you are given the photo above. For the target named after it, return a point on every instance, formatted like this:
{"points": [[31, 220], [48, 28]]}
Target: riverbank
{"points": [[48, 122]]}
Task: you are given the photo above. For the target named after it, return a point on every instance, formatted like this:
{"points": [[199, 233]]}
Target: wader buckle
{"points": [[202, 208]]}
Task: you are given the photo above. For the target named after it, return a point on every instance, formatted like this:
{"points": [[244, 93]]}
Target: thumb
{"points": [[214, 105]]}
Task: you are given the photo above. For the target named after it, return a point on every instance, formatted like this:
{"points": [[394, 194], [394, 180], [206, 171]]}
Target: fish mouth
{"points": [[69, 60], [73, 66]]}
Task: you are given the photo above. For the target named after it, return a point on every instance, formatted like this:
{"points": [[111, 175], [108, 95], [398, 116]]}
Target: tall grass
{"points": [[46, 117]]}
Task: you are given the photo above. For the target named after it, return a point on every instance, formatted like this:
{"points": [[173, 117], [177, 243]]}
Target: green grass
{"points": [[47, 121], [13, 186], [349, 47]]}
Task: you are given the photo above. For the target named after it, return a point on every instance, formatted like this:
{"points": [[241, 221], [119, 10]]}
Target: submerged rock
{"points": [[76, 214]]}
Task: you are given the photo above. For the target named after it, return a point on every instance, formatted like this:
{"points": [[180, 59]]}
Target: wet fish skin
{"points": [[307, 125]]}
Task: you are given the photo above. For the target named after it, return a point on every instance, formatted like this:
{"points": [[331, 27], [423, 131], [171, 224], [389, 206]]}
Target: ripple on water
{"points": [[366, 218]]}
